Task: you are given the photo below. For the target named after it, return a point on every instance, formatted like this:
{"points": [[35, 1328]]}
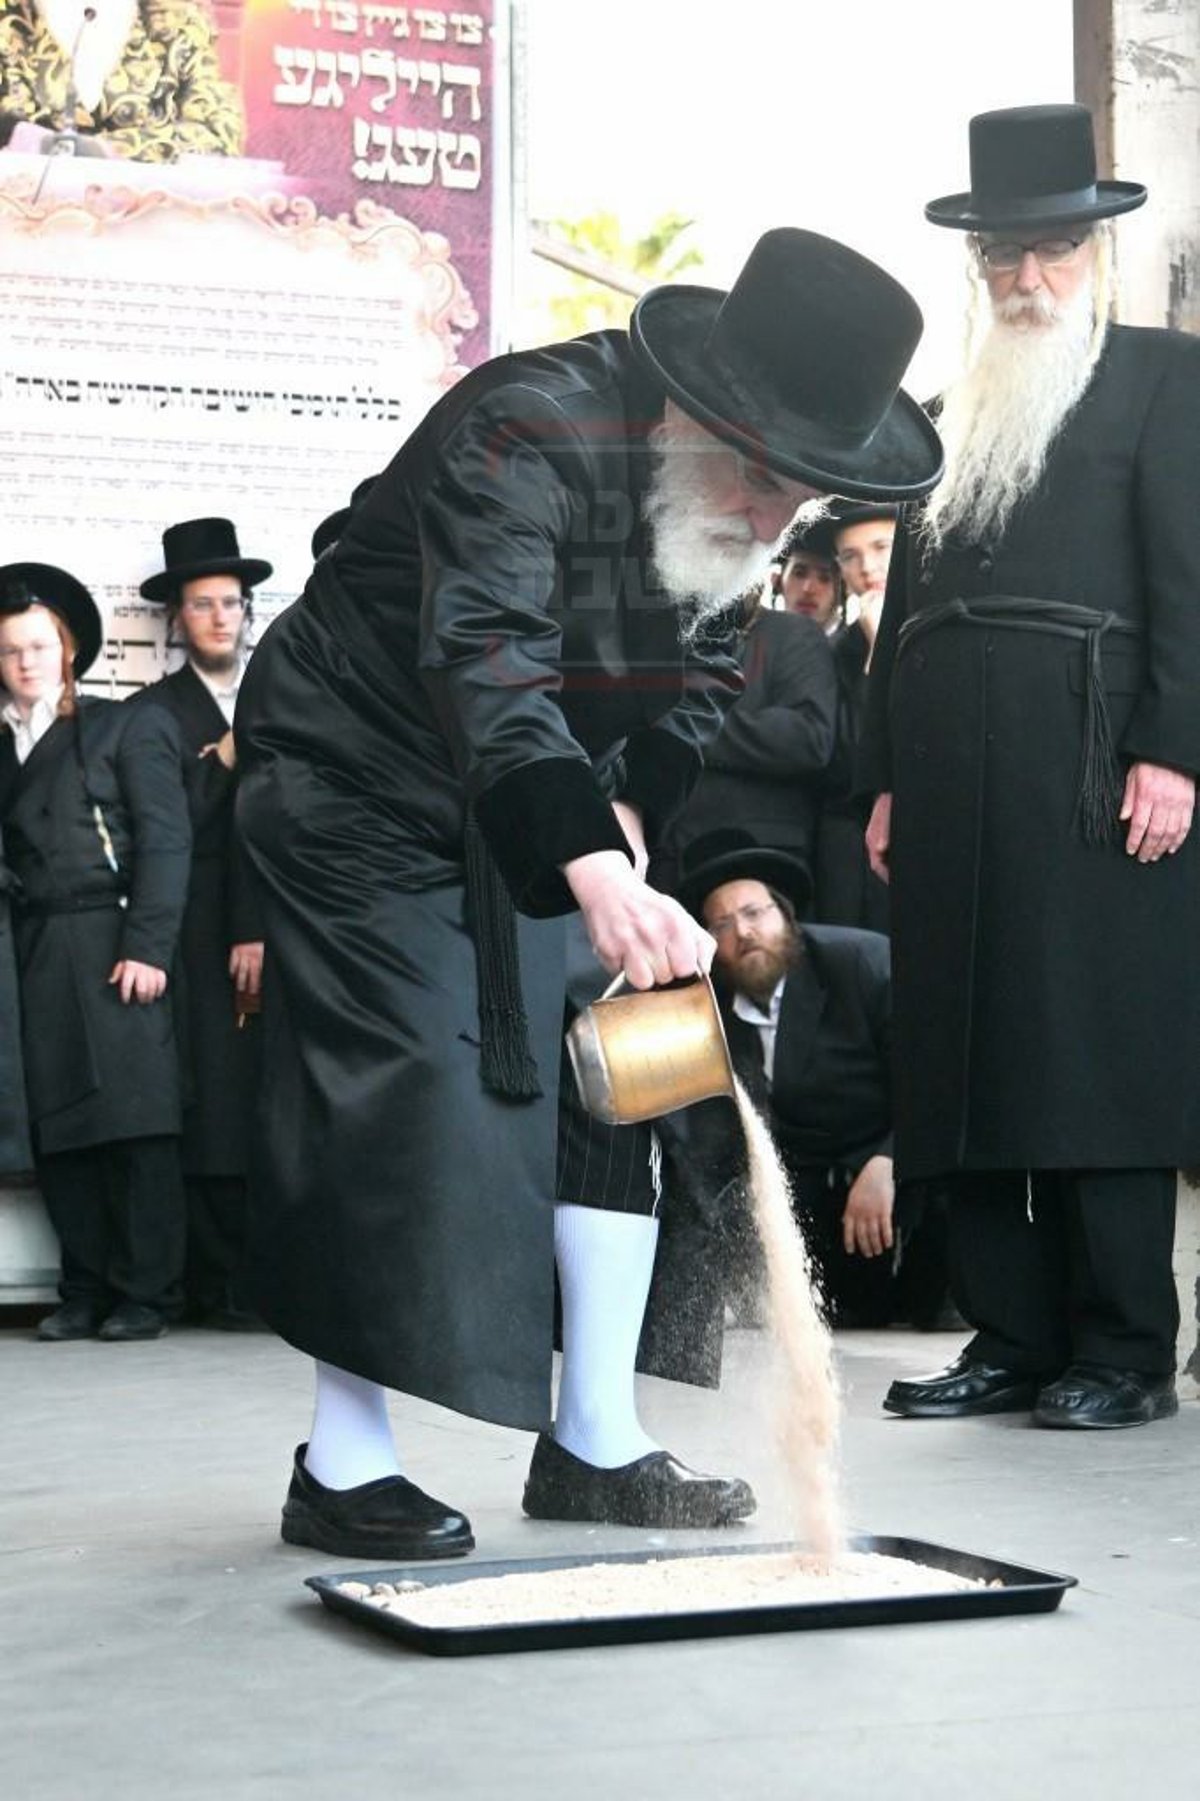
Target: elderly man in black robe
{"points": [[494, 692], [1033, 738]]}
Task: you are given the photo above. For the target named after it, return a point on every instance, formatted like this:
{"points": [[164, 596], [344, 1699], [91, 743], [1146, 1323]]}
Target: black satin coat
{"points": [[764, 769], [221, 1059], [96, 1069], [484, 631], [1047, 991], [15, 1153]]}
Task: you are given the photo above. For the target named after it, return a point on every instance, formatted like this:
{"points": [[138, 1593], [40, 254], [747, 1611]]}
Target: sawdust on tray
{"points": [[669, 1585]]}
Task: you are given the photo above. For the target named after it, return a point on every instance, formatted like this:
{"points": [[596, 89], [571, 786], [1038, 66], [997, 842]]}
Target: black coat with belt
{"points": [[765, 768], [100, 789], [221, 1058], [828, 1106], [1046, 988], [486, 632]]}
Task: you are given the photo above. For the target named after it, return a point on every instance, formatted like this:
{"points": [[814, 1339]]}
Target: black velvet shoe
{"points": [[389, 1519], [132, 1321], [656, 1490], [1090, 1396], [74, 1319], [966, 1387]]}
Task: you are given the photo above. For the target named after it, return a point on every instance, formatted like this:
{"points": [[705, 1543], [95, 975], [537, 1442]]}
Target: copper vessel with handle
{"points": [[649, 1051]]}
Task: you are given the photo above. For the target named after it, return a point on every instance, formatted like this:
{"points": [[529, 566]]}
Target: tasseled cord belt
{"points": [[506, 1061], [1101, 783]]}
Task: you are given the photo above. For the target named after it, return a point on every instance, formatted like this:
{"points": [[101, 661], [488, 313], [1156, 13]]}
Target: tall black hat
{"points": [[799, 364], [859, 512], [734, 855], [1033, 168], [23, 585], [201, 547]]}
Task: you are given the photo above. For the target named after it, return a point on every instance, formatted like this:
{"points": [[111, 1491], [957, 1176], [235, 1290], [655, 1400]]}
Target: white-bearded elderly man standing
{"points": [[1033, 740]]}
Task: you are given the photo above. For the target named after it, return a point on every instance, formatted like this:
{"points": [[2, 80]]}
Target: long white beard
{"points": [[703, 561], [1000, 419]]}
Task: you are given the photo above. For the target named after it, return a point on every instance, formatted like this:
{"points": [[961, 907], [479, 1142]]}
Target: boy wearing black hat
{"points": [[97, 841], [205, 585], [494, 692], [1033, 738]]}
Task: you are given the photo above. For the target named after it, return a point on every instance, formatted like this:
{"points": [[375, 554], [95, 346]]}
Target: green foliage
{"points": [[581, 304]]}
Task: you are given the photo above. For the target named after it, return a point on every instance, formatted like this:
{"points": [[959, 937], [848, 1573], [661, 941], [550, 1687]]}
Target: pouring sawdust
{"points": [[674, 1585]]}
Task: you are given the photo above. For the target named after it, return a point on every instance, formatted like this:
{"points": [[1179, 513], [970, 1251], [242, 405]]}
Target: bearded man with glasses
{"points": [[1033, 740]]}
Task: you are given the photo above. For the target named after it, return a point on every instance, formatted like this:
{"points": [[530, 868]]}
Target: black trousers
{"points": [[119, 1213], [216, 1243], [1066, 1266]]}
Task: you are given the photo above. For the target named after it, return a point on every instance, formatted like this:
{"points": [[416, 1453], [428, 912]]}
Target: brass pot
{"points": [[650, 1051]]}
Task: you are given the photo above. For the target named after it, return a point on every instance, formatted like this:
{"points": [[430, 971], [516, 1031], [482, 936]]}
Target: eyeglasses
{"points": [[1050, 252], [750, 916], [204, 609], [20, 651]]}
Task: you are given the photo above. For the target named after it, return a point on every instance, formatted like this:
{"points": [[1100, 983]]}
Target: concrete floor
{"points": [[159, 1641]]}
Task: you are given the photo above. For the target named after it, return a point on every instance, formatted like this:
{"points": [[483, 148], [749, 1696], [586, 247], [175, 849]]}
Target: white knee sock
{"points": [[351, 1439], [605, 1261]]}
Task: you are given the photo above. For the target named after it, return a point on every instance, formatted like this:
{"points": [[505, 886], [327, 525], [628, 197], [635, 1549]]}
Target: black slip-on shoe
{"points": [[966, 1387], [74, 1319], [389, 1519], [1094, 1397], [131, 1321], [656, 1490]]}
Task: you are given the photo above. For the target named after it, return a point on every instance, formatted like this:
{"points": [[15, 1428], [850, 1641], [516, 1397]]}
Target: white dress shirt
{"points": [[766, 1022], [27, 731], [224, 692]]}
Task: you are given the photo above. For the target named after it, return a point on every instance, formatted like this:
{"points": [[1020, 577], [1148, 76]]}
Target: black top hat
{"points": [[201, 547], [23, 585], [800, 364], [1033, 167], [734, 855]]}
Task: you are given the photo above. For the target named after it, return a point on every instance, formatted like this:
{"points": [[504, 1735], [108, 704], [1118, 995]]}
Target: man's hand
{"points": [[633, 928], [138, 981], [1158, 804], [867, 1220], [223, 750], [879, 836], [245, 967]]}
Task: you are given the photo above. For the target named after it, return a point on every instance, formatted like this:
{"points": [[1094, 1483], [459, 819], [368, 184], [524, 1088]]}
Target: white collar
{"points": [[755, 1015]]}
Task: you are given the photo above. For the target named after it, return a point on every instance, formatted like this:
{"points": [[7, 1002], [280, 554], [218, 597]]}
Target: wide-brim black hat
{"points": [[24, 584], [1033, 168], [859, 512], [815, 538], [199, 547], [799, 365], [734, 855]]}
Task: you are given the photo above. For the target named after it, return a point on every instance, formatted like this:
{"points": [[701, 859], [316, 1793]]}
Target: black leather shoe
{"points": [[967, 1386], [132, 1321], [1090, 1396], [390, 1519], [656, 1490], [74, 1319]]}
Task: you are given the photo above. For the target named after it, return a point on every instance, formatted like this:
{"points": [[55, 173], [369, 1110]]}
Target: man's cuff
{"points": [[537, 818]]}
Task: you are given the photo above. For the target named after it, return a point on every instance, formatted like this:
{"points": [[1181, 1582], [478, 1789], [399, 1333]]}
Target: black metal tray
{"points": [[1023, 1590]]}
